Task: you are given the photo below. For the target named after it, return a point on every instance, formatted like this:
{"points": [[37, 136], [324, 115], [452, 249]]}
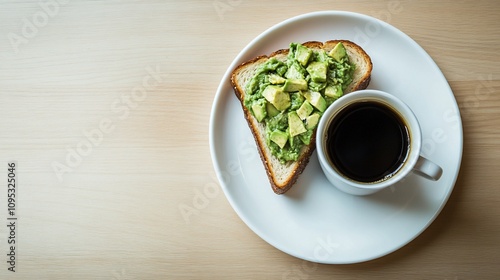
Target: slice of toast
{"points": [[283, 176]]}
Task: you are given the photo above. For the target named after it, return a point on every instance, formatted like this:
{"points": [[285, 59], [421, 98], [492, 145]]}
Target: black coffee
{"points": [[367, 141]]}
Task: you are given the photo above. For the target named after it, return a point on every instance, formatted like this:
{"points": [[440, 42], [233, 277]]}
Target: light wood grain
{"points": [[116, 214]]}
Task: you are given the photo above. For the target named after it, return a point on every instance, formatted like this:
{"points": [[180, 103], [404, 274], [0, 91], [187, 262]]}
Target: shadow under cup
{"points": [[368, 140]]}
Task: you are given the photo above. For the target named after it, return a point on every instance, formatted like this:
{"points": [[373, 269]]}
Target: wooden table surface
{"points": [[104, 110]]}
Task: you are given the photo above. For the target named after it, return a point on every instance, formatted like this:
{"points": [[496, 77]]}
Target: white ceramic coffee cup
{"points": [[414, 163]]}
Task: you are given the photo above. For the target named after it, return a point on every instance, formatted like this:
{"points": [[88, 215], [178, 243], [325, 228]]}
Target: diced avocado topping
{"points": [[317, 70], [297, 100], [316, 100], [306, 136], [289, 96], [334, 91], [279, 137], [312, 121], [338, 52], [276, 79], [277, 97], [295, 71], [295, 124], [271, 110], [295, 85], [259, 109], [303, 54], [305, 110]]}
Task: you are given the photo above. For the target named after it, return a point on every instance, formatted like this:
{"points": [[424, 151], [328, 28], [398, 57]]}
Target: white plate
{"points": [[313, 220]]}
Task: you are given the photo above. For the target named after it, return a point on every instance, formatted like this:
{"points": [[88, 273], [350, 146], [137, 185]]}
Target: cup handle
{"points": [[427, 169]]}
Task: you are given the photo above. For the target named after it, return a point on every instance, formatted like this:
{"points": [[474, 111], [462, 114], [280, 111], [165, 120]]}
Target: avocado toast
{"points": [[283, 96]]}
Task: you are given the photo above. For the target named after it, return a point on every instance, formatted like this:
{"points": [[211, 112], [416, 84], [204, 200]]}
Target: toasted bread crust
{"points": [[295, 168]]}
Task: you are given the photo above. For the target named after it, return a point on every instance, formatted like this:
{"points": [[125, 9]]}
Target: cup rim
{"points": [[398, 105]]}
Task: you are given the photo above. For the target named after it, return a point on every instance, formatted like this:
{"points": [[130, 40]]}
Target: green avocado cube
{"points": [[277, 97], [279, 137], [295, 124], [292, 85], [276, 79], [338, 52], [316, 100], [259, 110], [306, 137], [312, 121], [271, 110], [294, 72], [334, 91], [305, 110], [317, 70], [303, 54]]}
